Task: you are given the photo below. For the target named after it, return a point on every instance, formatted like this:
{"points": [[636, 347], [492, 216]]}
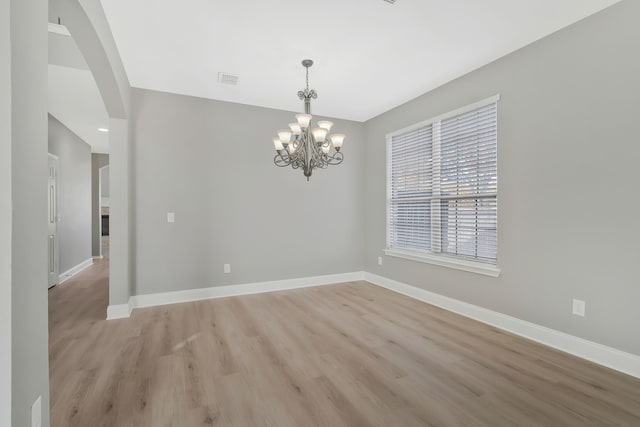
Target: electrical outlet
{"points": [[579, 307], [379, 260], [36, 413], [227, 268], [171, 217]]}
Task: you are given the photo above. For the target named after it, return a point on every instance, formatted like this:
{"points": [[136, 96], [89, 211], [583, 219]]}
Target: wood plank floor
{"points": [[349, 354]]}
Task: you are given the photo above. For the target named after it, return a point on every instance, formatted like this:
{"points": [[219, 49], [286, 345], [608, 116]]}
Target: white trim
{"points": [[98, 257], [594, 352], [165, 298], [56, 220], [151, 300], [118, 311], [100, 205], [461, 110], [59, 29], [6, 214], [444, 261], [74, 270], [388, 190]]}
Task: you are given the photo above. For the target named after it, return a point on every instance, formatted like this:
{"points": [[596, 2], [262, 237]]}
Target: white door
{"points": [[52, 218]]}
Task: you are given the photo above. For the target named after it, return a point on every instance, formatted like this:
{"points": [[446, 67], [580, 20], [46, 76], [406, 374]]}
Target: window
{"points": [[442, 189]]}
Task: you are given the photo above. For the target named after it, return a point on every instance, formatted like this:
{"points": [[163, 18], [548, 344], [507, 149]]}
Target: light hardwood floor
{"points": [[349, 354]]}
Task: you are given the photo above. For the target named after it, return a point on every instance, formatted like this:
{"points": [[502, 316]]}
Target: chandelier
{"points": [[304, 147]]}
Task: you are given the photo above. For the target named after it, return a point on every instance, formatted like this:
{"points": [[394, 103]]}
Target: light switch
{"points": [[171, 217]]}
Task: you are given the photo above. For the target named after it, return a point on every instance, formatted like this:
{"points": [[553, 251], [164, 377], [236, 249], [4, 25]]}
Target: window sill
{"points": [[473, 267]]}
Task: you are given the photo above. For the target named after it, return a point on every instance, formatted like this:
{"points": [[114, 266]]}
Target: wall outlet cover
{"points": [[579, 307], [227, 268], [171, 217]]}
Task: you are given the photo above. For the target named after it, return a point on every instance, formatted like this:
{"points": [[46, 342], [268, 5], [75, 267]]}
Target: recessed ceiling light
{"points": [[103, 130]]}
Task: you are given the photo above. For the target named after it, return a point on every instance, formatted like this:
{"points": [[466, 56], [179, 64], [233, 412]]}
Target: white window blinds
{"points": [[442, 185], [411, 189]]}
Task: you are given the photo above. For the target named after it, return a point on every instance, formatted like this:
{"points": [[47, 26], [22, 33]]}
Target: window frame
{"points": [[435, 258]]}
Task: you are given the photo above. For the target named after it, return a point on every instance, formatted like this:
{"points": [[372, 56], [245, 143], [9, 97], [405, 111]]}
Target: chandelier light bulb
{"points": [[319, 134], [325, 124], [277, 144], [303, 120], [337, 139], [284, 135], [295, 128], [326, 148]]}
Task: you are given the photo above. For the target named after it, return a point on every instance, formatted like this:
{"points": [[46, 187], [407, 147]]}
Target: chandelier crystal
{"points": [[303, 146]]}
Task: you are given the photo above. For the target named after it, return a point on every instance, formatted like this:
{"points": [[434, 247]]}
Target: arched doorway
{"points": [[86, 22]]}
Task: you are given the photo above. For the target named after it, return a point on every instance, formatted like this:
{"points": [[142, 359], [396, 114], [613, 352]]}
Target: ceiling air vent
{"points": [[390, 1], [227, 79]]}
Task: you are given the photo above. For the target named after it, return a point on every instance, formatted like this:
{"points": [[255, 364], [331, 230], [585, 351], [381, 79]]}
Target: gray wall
{"points": [[74, 194], [30, 369], [568, 175], [210, 162], [121, 243], [104, 183], [5, 214], [97, 161]]}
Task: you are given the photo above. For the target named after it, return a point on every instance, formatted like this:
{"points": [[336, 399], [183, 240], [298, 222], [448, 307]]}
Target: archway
{"points": [[86, 21]]}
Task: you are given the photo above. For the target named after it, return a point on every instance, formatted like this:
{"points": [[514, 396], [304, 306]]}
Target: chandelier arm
{"points": [[298, 156], [316, 161], [336, 158], [281, 161], [308, 150]]}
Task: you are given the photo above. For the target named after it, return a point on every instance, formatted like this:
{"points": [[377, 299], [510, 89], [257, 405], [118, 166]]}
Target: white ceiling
{"points": [[74, 98], [369, 55]]}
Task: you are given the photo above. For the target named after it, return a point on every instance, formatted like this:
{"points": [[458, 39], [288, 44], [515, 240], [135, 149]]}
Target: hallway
{"points": [[78, 302], [77, 310]]}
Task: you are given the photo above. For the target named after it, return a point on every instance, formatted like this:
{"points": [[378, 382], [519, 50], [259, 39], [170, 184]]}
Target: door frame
{"points": [[56, 246], [100, 203]]}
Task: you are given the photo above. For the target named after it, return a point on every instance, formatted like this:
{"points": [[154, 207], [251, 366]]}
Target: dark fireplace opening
{"points": [[105, 225]]}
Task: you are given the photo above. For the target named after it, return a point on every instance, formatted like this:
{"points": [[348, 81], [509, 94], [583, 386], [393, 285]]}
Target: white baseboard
{"points": [[74, 270], [150, 300], [594, 352], [98, 257], [118, 311], [597, 353]]}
